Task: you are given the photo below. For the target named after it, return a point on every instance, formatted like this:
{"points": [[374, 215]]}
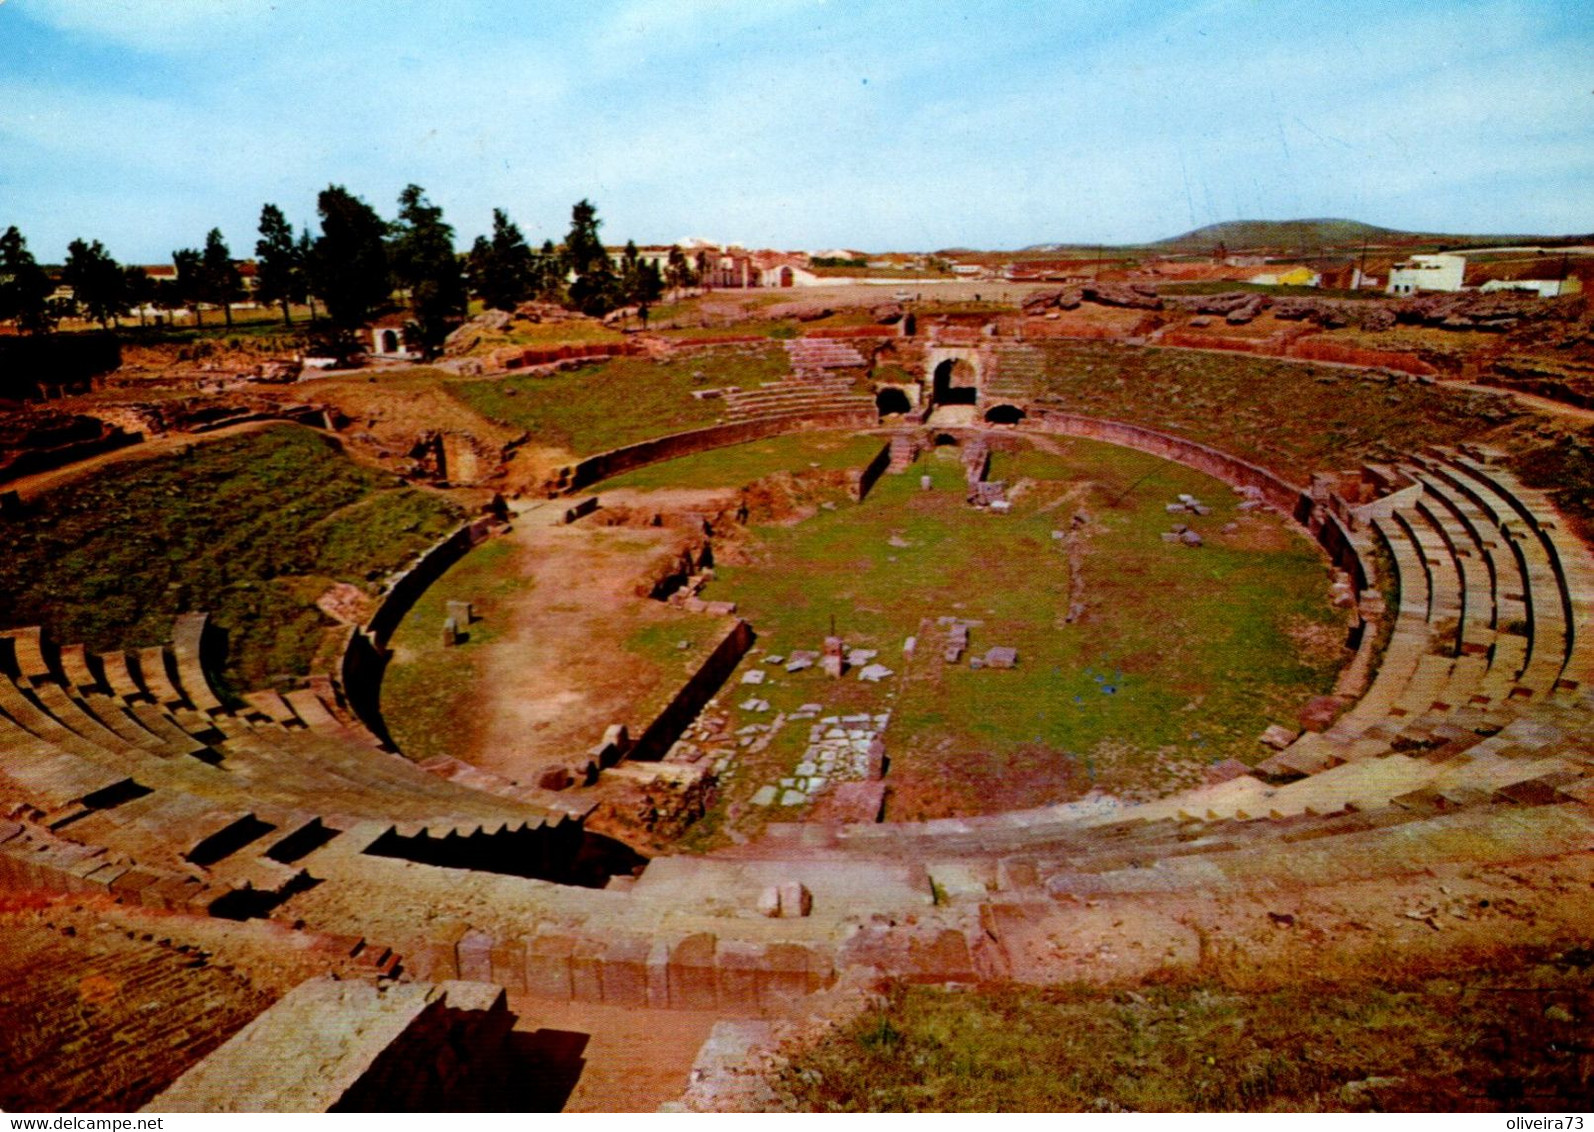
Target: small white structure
{"points": [[1438, 272], [1543, 288], [387, 340]]}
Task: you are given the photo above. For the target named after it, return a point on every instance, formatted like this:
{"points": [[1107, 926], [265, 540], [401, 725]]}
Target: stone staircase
{"points": [[95, 1019], [1018, 375], [124, 774], [796, 397], [812, 359]]}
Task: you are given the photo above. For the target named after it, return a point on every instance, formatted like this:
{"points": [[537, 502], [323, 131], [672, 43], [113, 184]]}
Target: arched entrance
{"points": [[954, 383], [1004, 414], [786, 277], [891, 401]]}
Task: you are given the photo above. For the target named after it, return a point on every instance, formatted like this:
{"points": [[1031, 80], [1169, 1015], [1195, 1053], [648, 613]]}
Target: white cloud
{"points": [[152, 25]]}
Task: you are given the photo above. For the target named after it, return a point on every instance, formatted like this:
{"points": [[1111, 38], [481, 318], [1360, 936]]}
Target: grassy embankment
{"points": [[1492, 1036], [1292, 417], [251, 528], [622, 401], [1297, 418]]}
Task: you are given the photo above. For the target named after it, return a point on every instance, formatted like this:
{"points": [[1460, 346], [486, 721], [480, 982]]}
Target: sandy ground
{"points": [[621, 1059], [557, 678]]}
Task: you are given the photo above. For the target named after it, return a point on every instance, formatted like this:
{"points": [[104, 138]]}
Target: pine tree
{"points": [[349, 265], [503, 270], [281, 264], [427, 267], [189, 285], [594, 290], [96, 280], [24, 286], [221, 283]]}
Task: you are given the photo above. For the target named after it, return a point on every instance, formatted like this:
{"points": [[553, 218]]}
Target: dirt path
{"points": [[30, 486], [611, 1058], [1530, 400], [558, 676]]}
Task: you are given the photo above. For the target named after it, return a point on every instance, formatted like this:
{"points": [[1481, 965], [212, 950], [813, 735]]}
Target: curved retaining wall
{"points": [[363, 661], [605, 464], [1279, 493], [364, 658]]}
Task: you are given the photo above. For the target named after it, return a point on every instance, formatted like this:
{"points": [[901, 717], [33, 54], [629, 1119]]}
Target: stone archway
{"points": [[954, 382], [891, 400], [1004, 414], [954, 375]]}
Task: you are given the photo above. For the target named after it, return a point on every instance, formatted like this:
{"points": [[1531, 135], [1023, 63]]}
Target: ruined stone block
{"points": [[586, 970], [769, 902], [548, 967], [693, 975], [508, 962], [737, 964], [790, 972], [624, 971], [474, 957], [658, 974], [1001, 656], [795, 899]]}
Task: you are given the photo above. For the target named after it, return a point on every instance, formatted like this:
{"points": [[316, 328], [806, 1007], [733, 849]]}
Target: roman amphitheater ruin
{"points": [[479, 827]]}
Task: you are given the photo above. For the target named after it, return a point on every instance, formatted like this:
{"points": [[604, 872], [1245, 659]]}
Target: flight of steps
{"points": [[96, 1019], [796, 397], [813, 358], [124, 773], [1019, 374], [1495, 615]]}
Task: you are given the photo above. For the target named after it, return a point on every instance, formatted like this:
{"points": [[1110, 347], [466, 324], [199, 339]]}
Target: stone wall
{"points": [[363, 661], [612, 463], [1279, 494], [659, 735], [680, 971], [336, 1046], [33, 460], [1323, 350], [872, 472]]}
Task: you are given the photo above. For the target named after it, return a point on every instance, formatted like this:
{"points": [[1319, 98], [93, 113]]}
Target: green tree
{"points": [[549, 272], [189, 286], [427, 267], [595, 289], [349, 265], [305, 250], [138, 289], [221, 283], [639, 278], [503, 269], [281, 262], [24, 286], [678, 271], [96, 280]]}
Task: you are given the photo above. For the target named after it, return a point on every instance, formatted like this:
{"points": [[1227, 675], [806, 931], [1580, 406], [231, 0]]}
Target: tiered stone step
{"points": [[114, 776], [1020, 374], [812, 357], [98, 1021], [1545, 600], [1389, 843], [795, 397]]}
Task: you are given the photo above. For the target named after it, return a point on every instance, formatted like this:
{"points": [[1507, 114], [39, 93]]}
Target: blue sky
{"points": [[795, 123]]}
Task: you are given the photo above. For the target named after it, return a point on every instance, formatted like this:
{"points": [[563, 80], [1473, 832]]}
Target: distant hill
{"points": [[1284, 235], [1297, 237]]}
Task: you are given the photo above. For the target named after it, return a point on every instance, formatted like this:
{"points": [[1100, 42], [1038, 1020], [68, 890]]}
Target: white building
{"points": [[1440, 272], [1543, 288]]}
